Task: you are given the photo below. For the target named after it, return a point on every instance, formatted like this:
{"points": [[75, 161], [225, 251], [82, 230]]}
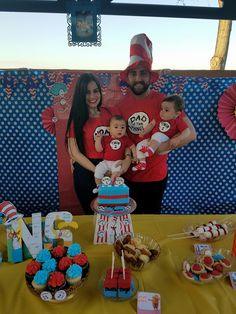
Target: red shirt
{"points": [[138, 113], [114, 148], [91, 128], [170, 127]]}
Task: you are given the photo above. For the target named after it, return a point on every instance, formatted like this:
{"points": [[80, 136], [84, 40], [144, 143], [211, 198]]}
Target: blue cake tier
{"points": [[113, 195]]}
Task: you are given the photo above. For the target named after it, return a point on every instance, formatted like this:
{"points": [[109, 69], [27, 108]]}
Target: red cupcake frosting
{"points": [[33, 267], [58, 251], [80, 259], [65, 263], [56, 279]]}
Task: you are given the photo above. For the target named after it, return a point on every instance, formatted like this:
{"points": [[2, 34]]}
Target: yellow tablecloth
{"points": [[178, 295]]}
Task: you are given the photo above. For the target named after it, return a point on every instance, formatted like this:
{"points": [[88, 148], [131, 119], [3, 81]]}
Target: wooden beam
{"points": [[228, 12]]}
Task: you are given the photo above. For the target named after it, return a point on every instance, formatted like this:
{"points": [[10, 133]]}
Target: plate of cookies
{"points": [[139, 250], [208, 266]]}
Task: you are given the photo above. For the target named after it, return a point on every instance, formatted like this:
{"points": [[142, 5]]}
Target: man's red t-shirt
{"points": [[138, 112]]}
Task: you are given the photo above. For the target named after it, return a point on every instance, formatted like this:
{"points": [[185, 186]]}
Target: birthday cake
{"points": [[113, 196], [56, 274], [117, 284]]}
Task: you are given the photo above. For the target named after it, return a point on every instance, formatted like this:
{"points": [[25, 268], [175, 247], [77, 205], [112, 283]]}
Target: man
{"points": [[139, 108]]}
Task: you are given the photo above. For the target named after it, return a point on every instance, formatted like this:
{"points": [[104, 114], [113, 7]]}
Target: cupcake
{"points": [[56, 281], [64, 263], [74, 274], [73, 250], [43, 256], [40, 280], [31, 270], [82, 261], [50, 265], [58, 252]]}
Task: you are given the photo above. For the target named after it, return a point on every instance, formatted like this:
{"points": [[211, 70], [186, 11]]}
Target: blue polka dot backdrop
{"points": [[28, 159], [201, 174]]}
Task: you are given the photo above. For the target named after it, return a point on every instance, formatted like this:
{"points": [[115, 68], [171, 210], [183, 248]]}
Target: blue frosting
{"points": [[74, 271], [50, 265], [41, 277], [74, 249], [218, 257], [43, 256], [113, 191]]}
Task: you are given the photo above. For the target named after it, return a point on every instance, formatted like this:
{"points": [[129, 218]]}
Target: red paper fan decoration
{"points": [[49, 120], [227, 111]]}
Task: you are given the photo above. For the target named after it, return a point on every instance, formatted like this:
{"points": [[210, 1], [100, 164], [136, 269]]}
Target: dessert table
{"points": [[178, 295]]}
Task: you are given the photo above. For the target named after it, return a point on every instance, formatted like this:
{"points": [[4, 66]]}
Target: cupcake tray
{"points": [[64, 294]]}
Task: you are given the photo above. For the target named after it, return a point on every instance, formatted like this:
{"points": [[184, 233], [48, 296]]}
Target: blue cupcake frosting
{"points": [[74, 271], [74, 249], [43, 256], [50, 265], [41, 277]]}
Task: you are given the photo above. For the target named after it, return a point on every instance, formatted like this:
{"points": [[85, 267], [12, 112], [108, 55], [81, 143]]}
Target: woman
{"points": [[86, 120]]}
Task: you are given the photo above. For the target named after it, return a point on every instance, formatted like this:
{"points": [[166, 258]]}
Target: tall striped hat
{"points": [[8, 210], [140, 53]]}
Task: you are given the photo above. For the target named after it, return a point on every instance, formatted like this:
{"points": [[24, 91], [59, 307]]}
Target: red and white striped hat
{"points": [[9, 211], [140, 53]]}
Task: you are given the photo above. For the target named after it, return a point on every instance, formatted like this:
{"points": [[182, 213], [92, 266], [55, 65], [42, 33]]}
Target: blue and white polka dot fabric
{"points": [[202, 175], [28, 159]]}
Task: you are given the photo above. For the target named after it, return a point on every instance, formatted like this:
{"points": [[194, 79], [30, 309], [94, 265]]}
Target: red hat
{"points": [[140, 53]]}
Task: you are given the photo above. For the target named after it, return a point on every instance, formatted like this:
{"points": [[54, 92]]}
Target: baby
{"points": [[169, 124], [114, 148]]}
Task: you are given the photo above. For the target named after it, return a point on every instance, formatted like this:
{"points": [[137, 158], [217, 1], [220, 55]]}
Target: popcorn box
{"points": [[148, 303], [200, 248]]}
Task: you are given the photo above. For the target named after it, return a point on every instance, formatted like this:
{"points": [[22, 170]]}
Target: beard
{"points": [[139, 88]]}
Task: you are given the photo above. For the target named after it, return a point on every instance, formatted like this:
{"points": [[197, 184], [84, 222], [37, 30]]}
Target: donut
{"points": [[129, 248], [135, 241], [130, 258], [119, 247], [155, 253]]}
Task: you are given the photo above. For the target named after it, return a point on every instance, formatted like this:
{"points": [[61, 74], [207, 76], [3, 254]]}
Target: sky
{"points": [[39, 41]]}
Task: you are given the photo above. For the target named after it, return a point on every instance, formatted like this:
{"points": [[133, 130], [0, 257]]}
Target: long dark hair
{"points": [[79, 113]]}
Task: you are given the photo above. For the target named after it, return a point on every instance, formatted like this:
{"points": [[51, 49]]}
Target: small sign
{"points": [[201, 248], [46, 296], [60, 295], [149, 303], [232, 276]]}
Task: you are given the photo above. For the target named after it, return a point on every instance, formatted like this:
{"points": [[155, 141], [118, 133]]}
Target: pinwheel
{"points": [[227, 111], [49, 120]]}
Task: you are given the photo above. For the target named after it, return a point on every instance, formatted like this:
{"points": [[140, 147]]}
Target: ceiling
{"points": [[108, 7]]}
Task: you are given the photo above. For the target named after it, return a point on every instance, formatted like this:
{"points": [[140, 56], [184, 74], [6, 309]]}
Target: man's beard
{"points": [[137, 90]]}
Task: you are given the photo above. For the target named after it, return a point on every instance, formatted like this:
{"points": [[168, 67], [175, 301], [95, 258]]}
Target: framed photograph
{"points": [[84, 26]]}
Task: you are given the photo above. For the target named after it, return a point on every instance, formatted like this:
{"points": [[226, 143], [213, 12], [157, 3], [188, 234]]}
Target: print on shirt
{"points": [[164, 126], [115, 144], [137, 122], [103, 130]]}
